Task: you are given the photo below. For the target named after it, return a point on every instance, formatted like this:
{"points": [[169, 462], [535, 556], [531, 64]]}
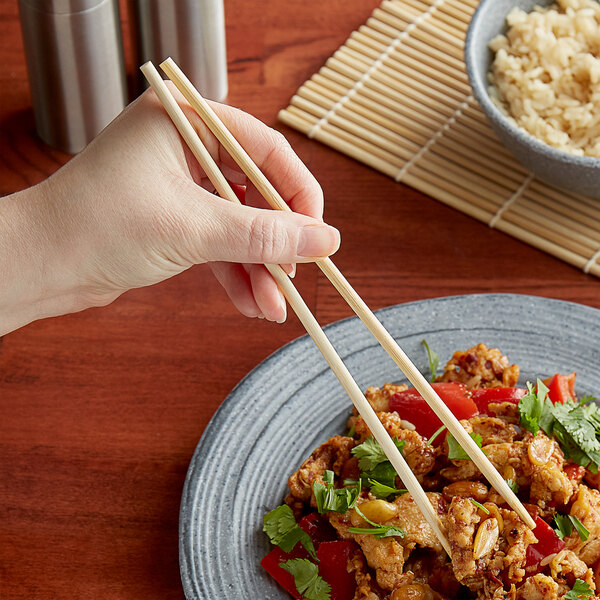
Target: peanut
{"points": [[466, 489], [485, 538], [379, 511], [540, 450], [412, 591]]}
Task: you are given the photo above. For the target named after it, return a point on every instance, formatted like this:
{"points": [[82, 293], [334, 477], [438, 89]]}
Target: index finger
{"points": [[274, 156]]}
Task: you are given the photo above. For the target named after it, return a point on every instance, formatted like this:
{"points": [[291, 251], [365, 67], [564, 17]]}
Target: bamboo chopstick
{"points": [[306, 317], [424, 388]]}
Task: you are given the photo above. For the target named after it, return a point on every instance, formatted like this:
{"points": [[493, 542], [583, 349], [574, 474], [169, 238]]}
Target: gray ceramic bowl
{"points": [[574, 173]]}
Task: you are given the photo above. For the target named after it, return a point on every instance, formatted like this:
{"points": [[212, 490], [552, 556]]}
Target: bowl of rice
{"points": [[534, 67]]}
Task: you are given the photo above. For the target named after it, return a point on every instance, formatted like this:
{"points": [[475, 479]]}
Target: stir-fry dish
{"points": [[349, 531]]}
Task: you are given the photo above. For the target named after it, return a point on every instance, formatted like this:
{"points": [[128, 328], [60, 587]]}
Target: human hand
{"points": [[134, 208]]}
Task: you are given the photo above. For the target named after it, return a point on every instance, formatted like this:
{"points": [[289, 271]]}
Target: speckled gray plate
{"points": [[292, 402]]}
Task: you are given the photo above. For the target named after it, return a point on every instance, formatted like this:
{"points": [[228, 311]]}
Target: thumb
{"points": [[237, 233]]}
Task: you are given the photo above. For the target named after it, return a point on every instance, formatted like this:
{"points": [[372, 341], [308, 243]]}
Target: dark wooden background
{"points": [[100, 411]]}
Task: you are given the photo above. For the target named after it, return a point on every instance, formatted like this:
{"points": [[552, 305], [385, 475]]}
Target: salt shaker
{"points": [[192, 33], [74, 56]]}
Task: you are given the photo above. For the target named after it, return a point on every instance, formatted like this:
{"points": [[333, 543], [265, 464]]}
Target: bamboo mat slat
{"points": [[395, 96]]}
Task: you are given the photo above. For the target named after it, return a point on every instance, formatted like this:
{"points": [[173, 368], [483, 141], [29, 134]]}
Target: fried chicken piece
{"points": [[492, 430], [330, 456], [500, 455], [479, 367], [387, 555], [565, 566], [366, 588], [549, 484], [538, 587], [514, 540], [419, 456], [507, 411], [586, 508], [463, 519], [379, 398]]}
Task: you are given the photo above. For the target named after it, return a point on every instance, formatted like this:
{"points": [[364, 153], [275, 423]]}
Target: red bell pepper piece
{"points": [[411, 406], [561, 387], [333, 560], [548, 543], [321, 532], [318, 528], [270, 564], [486, 396]]}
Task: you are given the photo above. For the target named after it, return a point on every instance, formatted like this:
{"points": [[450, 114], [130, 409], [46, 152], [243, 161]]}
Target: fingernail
{"points": [[293, 272], [284, 308], [318, 240], [261, 316]]}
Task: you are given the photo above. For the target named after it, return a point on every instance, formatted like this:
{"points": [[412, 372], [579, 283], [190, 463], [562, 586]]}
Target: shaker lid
{"points": [[63, 6]]}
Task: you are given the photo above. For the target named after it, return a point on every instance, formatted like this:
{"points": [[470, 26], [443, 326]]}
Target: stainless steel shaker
{"points": [[74, 55], [192, 33]]}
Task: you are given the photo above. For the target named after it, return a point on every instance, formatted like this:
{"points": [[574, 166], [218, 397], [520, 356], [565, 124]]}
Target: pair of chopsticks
{"points": [[307, 319]]}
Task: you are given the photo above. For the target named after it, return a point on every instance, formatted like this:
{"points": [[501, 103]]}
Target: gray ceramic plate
{"points": [[291, 403]]}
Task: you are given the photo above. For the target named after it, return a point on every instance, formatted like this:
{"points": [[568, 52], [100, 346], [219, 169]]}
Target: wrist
{"points": [[36, 271]]}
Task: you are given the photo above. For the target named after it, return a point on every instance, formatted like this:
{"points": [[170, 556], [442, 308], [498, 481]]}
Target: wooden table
{"points": [[101, 411]]}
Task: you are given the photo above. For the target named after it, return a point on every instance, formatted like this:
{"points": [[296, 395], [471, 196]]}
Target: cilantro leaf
{"points": [[283, 531], [580, 590], [384, 473], [456, 451], [564, 524], [380, 490], [575, 425], [309, 583], [377, 530], [574, 419], [581, 529], [330, 499], [370, 453], [531, 406], [434, 360], [513, 485]]}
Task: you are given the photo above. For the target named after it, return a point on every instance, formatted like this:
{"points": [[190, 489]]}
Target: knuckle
{"points": [[266, 241], [279, 150]]}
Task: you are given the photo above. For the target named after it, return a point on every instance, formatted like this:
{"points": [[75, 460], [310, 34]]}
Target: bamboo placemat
{"points": [[396, 97]]}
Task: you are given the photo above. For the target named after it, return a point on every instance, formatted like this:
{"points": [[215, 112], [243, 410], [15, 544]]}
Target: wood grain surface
{"points": [[100, 411]]}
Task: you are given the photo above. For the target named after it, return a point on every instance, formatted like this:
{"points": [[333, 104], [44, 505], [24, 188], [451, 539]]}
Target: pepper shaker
{"points": [[75, 63], [192, 33]]}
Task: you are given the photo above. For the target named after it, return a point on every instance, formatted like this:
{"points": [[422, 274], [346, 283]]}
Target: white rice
{"points": [[546, 74]]}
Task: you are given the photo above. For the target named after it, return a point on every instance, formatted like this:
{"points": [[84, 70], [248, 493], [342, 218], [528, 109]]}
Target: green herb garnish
{"points": [[440, 430], [480, 506], [531, 406], [580, 590], [381, 490], [456, 451], [370, 453], [565, 524], [377, 530], [434, 360], [330, 499], [309, 583], [513, 485], [283, 531]]}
